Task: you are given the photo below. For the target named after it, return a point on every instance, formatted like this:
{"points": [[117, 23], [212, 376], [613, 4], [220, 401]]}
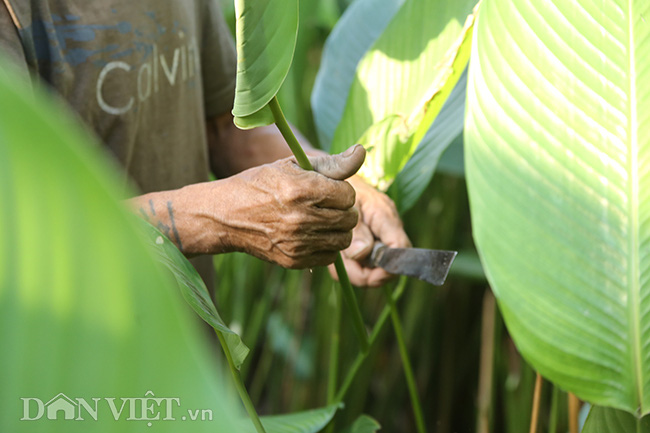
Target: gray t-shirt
{"points": [[144, 75]]}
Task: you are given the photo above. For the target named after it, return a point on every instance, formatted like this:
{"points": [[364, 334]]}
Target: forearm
{"points": [[187, 217], [233, 150], [276, 212]]}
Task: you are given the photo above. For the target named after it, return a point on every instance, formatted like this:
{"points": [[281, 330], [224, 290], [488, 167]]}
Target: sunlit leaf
{"points": [[607, 420], [266, 39], [557, 146], [85, 310], [412, 180], [408, 72], [355, 32], [193, 288]]}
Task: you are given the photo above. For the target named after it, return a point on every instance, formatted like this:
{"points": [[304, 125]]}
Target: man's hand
{"points": [[277, 212], [292, 217], [378, 219]]}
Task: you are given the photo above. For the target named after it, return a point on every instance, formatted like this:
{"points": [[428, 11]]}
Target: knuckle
{"points": [[349, 194], [294, 222], [350, 219], [346, 239], [291, 192], [325, 259], [341, 241]]}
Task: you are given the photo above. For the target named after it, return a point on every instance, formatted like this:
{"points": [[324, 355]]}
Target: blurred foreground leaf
{"points": [[84, 308]]}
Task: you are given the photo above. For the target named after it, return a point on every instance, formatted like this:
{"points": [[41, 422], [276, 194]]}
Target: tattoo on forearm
{"points": [[166, 229], [171, 218], [144, 215]]}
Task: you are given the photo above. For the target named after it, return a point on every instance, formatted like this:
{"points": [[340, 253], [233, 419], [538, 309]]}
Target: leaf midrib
{"points": [[633, 241]]}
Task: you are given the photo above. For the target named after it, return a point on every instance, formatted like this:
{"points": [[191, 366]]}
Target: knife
{"points": [[431, 266]]}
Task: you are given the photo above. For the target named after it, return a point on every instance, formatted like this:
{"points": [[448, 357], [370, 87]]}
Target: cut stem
{"points": [[406, 362], [537, 396], [241, 389], [346, 288]]}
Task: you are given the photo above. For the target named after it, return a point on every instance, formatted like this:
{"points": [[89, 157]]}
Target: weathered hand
{"points": [[292, 217], [378, 219]]}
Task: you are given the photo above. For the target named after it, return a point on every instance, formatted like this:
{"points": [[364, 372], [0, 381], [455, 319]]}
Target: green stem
{"points": [[553, 416], [351, 303], [287, 133], [358, 362], [335, 344], [332, 377], [347, 291], [408, 369], [241, 389]]}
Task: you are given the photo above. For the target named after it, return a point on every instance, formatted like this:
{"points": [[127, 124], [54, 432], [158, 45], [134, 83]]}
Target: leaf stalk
{"points": [[347, 291], [241, 389], [406, 362], [374, 335]]}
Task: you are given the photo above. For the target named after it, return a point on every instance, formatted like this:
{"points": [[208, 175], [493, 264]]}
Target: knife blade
{"points": [[427, 265]]}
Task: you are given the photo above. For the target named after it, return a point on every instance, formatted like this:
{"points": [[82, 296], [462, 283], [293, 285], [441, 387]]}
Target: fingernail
{"points": [[351, 150], [356, 248]]}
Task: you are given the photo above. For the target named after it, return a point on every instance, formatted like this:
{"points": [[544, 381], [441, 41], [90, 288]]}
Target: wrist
{"points": [[187, 216]]}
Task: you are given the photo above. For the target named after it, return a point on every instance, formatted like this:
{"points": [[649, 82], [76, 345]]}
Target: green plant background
{"points": [[468, 371], [286, 317]]}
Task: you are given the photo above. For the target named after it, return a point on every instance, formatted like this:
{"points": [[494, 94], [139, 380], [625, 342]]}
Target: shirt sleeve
{"points": [[218, 62]]}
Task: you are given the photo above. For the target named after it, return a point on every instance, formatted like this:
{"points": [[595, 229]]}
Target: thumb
{"points": [[342, 165]]}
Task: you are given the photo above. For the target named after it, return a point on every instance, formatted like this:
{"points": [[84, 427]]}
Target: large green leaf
{"points": [[557, 146], [606, 420], [407, 74], [309, 421], [84, 308], [266, 39], [193, 289]]}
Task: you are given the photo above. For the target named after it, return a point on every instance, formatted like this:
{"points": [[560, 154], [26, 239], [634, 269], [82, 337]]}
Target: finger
{"points": [[313, 188], [361, 276], [358, 275], [378, 277], [314, 260], [334, 194], [320, 221], [388, 228], [314, 243], [362, 242], [342, 165], [366, 277]]}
